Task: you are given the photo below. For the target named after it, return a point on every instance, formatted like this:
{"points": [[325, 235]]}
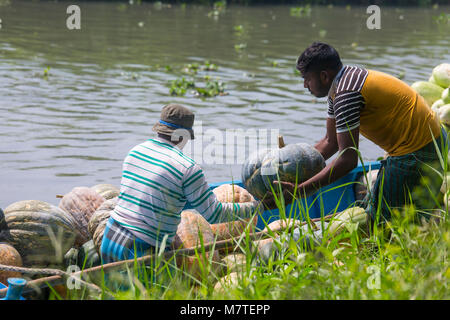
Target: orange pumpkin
{"points": [[232, 193], [227, 230], [188, 236], [81, 203], [285, 224], [11, 257]]}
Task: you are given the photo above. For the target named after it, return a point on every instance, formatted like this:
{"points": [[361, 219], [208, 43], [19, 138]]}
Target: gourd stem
{"points": [[281, 143]]}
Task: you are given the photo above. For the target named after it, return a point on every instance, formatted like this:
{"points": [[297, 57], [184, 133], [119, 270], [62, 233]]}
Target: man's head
{"points": [[319, 64], [175, 124]]}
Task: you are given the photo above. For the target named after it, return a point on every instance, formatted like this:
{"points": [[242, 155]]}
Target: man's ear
{"points": [[324, 76]]}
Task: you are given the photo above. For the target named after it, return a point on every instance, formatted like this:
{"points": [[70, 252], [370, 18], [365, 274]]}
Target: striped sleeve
{"points": [[330, 108], [348, 101], [347, 108], [200, 196]]}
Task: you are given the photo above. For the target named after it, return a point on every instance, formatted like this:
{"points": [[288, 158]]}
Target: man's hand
{"points": [[302, 190], [284, 186], [269, 199]]}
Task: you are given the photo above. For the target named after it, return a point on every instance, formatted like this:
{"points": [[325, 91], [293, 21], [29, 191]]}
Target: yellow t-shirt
{"points": [[388, 111]]}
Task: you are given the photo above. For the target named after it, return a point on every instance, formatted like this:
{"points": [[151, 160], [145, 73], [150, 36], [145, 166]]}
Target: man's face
{"points": [[317, 82]]}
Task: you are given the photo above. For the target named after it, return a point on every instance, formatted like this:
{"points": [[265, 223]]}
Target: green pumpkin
{"points": [[88, 256], [42, 233], [292, 163], [251, 173]]}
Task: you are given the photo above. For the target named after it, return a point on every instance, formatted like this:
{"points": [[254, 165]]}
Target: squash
{"points": [[437, 104], [81, 203], [441, 75], [106, 190], [191, 226], [9, 256], [226, 283], [251, 173], [71, 257], [445, 97], [97, 223], [292, 163], [430, 92], [351, 219], [284, 224], [226, 230], [88, 256], [39, 231], [234, 262], [234, 194], [266, 248]]}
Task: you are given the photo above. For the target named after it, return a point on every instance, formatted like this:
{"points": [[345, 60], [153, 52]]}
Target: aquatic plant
{"points": [[46, 73], [178, 87], [442, 19], [303, 11], [208, 66], [240, 46], [191, 68], [218, 9], [239, 30], [212, 88]]}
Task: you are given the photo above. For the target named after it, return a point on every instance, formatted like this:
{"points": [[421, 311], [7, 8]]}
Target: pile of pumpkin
{"points": [[38, 234], [436, 92]]}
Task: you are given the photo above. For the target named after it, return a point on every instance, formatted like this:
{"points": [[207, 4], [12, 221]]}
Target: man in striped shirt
{"points": [[158, 180], [386, 111]]}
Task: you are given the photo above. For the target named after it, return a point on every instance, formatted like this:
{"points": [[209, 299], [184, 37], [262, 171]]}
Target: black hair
{"points": [[317, 57]]}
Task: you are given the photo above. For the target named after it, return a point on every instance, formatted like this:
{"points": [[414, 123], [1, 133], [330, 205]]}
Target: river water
{"points": [[73, 102]]}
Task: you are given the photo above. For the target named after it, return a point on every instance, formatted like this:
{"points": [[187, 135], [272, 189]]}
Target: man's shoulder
{"points": [[161, 151], [352, 79], [175, 153]]}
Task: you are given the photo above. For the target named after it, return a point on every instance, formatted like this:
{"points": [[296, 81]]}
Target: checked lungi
{"points": [[120, 244], [409, 177]]}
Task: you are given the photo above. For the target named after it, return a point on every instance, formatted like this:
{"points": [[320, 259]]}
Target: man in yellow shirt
{"points": [[386, 111]]}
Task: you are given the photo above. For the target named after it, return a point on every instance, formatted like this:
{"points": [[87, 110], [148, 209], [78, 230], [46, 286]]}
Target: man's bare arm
{"points": [[328, 146]]}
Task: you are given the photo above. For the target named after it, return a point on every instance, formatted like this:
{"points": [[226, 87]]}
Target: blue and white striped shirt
{"points": [[157, 182]]}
